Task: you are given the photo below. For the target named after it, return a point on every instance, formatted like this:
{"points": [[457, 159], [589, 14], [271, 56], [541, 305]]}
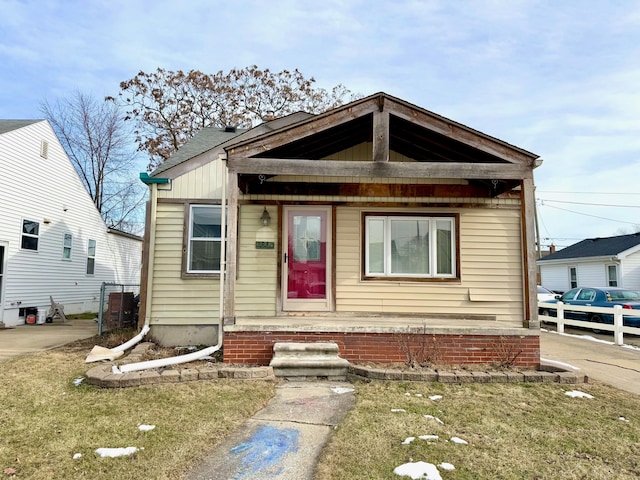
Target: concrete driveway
{"points": [[614, 365], [35, 338]]}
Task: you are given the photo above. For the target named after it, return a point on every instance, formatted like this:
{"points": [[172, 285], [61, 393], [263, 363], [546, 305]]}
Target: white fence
{"points": [[618, 313]]}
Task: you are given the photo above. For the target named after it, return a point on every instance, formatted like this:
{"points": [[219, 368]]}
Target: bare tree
{"points": [[169, 107], [100, 148]]}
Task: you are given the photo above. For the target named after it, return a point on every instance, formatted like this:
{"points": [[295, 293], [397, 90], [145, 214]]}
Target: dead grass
{"points": [[46, 419], [515, 431]]}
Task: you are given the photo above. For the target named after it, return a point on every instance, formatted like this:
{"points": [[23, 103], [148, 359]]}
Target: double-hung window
{"points": [[66, 246], [411, 246], [612, 275], [91, 257], [30, 235], [204, 239]]}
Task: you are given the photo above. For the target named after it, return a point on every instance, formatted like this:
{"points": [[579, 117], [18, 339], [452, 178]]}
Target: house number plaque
{"points": [[265, 245]]}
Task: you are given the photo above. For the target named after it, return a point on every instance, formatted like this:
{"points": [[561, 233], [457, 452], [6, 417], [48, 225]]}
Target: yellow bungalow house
{"points": [[379, 226]]}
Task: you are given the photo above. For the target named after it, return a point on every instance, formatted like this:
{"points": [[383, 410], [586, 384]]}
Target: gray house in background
{"points": [[595, 262]]}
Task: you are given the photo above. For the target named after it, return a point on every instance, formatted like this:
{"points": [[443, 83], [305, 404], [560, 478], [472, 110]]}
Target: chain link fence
{"points": [[119, 304]]}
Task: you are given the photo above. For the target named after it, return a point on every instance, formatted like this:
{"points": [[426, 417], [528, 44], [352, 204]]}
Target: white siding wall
{"points": [[592, 274], [630, 271], [36, 188], [555, 277]]}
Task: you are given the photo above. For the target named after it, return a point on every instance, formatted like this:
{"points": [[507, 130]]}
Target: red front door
{"points": [[306, 260]]}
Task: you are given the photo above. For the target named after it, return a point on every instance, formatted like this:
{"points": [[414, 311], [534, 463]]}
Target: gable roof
{"points": [[10, 125], [210, 138], [413, 132], [596, 247]]}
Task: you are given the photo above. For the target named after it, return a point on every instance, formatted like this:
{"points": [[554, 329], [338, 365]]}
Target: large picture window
{"points": [[410, 246], [204, 239]]}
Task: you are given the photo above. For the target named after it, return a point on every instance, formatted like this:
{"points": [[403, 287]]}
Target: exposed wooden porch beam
{"points": [[338, 168], [380, 136]]}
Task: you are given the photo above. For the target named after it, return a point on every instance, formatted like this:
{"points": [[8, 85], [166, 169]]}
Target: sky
{"points": [[559, 79]]}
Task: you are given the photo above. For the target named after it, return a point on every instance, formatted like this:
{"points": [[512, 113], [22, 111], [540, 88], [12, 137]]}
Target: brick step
{"points": [[308, 360]]}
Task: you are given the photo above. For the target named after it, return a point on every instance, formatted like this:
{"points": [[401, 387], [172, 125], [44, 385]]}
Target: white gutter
{"points": [[189, 357]]}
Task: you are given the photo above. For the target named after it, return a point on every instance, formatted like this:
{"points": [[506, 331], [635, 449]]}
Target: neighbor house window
{"points": [[66, 246], [30, 235], [91, 257], [204, 239], [410, 246], [573, 277], [612, 275]]}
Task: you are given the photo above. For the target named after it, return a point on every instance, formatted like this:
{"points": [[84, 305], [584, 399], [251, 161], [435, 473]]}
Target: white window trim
{"points": [[64, 246], [23, 234], [433, 246], [571, 287], [617, 279], [89, 256], [190, 237]]}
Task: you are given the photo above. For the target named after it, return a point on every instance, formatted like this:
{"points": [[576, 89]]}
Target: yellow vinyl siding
{"points": [[257, 269], [490, 261], [204, 182], [177, 301]]}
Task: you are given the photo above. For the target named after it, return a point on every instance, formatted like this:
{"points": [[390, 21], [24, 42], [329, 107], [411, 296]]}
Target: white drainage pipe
{"points": [[133, 341], [164, 362]]}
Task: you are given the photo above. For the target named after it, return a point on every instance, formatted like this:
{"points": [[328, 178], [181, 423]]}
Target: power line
{"points": [[594, 216], [587, 203], [589, 193]]}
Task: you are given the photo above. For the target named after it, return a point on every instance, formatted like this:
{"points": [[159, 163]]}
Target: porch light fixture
{"points": [[265, 218]]}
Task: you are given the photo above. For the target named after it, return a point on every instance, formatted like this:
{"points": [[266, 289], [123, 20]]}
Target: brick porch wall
{"points": [[256, 348]]}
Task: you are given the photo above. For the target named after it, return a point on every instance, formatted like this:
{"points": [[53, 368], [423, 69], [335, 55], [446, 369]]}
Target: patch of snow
{"points": [[435, 397], [429, 438], [407, 394], [408, 440], [116, 452], [446, 466], [341, 390], [418, 394], [146, 428], [418, 471], [459, 441], [622, 419], [630, 347], [431, 417], [398, 410], [78, 381], [77, 456], [556, 363], [578, 394]]}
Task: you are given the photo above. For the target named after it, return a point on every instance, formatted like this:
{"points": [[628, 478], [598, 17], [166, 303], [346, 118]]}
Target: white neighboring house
{"points": [[53, 241], [594, 262]]}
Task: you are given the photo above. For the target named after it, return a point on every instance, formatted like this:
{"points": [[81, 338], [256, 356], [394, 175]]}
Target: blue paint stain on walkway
{"points": [[264, 451]]}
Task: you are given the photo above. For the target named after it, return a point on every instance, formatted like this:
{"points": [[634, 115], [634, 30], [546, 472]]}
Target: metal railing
{"points": [[618, 328], [118, 306]]}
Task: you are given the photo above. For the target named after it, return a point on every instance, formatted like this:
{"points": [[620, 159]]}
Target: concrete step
{"points": [[296, 360]]}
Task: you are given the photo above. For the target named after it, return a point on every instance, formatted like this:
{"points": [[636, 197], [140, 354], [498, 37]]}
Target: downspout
{"points": [[189, 357], [100, 353]]}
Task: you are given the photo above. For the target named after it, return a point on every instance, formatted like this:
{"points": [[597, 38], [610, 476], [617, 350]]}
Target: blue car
{"points": [[598, 297]]}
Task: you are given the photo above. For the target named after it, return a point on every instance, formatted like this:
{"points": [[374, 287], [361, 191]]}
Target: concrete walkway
{"points": [[614, 365], [283, 440], [36, 338]]}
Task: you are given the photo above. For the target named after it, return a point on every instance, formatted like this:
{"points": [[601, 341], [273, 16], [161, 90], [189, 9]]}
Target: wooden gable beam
{"points": [[282, 166], [381, 134], [459, 132], [300, 130]]}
